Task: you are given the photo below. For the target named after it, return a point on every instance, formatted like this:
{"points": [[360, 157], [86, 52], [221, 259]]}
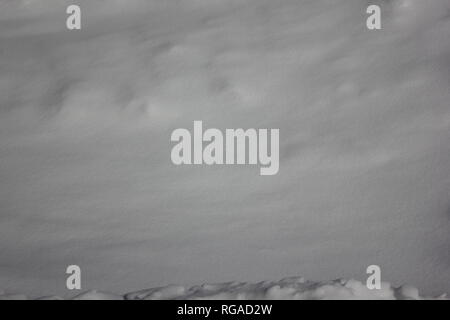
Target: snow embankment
{"points": [[286, 289]]}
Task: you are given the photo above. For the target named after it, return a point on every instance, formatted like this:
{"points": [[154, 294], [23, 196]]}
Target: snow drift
{"points": [[86, 117], [294, 288]]}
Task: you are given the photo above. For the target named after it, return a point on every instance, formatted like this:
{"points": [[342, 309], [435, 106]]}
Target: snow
{"points": [[86, 118], [294, 288]]}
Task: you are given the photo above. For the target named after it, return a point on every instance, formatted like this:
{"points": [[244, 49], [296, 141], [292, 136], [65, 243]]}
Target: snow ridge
{"points": [[294, 288]]}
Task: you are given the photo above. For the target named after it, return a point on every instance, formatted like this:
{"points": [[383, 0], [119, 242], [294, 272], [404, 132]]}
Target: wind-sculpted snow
{"points": [[286, 289], [86, 116]]}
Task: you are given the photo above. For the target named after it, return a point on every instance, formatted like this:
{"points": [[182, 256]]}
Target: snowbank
{"points": [[295, 288], [85, 123]]}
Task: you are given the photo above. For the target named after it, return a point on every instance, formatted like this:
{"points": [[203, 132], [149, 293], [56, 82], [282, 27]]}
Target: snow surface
{"points": [[86, 118], [286, 289]]}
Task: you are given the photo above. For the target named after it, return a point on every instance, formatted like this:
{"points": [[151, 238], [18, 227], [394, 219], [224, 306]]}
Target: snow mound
{"points": [[286, 289], [295, 288]]}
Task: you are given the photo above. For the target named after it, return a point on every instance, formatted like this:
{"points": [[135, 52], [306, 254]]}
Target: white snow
{"points": [[85, 123], [287, 289]]}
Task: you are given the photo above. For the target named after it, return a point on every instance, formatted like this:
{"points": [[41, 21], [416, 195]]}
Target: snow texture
{"points": [[85, 124], [286, 289]]}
